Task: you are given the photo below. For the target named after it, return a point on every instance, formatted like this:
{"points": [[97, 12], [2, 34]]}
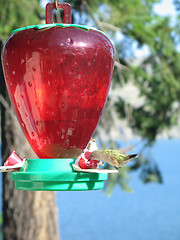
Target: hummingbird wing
{"points": [[92, 145]]}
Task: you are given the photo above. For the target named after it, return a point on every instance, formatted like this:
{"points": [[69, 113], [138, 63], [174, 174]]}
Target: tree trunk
{"points": [[26, 215]]}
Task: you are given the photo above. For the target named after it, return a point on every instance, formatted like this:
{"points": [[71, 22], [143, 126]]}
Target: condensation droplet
{"points": [[37, 104], [22, 61], [30, 84], [11, 84], [59, 133], [7, 64], [82, 92], [34, 68], [37, 123], [49, 83], [61, 60], [45, 50], [96, 53], [70, 40], [50, 71], [14, 73], [89, 64], [62, 104], [78, 76], [22, 124]]}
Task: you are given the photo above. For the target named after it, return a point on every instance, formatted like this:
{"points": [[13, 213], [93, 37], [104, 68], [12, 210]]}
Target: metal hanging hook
{"points": [[55, 2]]}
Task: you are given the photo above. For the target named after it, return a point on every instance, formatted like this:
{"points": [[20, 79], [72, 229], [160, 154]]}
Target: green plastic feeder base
{"points": [[55, 175]]}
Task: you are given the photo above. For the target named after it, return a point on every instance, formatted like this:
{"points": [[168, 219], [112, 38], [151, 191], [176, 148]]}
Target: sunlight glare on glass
{"points": [[81, 44]]}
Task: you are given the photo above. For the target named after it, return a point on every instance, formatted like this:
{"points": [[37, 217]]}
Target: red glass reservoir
{"points": [[58, 77]]}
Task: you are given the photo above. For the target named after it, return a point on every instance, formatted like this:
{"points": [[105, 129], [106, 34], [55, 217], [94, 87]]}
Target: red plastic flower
{"points": [[84, 162]]}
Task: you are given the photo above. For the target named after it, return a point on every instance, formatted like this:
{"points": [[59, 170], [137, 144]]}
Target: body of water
{"points": [[151, 212]]}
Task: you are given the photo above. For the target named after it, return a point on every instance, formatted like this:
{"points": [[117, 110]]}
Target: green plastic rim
{"points": [[55, 175], [62, 25]]}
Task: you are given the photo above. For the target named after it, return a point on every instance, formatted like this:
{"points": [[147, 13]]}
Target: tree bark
{"points": [[26, 215]]}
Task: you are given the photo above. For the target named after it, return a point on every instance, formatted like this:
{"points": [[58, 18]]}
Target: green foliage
{"points": [[158, 79], [15, 14]]}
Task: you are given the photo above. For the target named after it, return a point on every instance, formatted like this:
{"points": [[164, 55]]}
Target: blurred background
{"points": [[142, 115]]}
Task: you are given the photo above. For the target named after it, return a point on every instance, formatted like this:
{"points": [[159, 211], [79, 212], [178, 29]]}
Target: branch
{"points": [[6, 105], [120, 66], [4, 102], [108, 25]]}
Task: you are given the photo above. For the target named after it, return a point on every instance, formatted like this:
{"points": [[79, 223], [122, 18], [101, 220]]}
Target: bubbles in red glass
{"points": [[34, 68]]}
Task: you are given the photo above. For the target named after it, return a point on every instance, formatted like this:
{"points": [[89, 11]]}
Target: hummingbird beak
{"points": [[90, 158]]}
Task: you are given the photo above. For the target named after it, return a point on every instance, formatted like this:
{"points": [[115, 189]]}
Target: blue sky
{"points": [[165, 8]]}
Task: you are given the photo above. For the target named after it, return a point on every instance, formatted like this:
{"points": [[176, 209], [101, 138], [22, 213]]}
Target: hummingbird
{"points": [[113, 157]]}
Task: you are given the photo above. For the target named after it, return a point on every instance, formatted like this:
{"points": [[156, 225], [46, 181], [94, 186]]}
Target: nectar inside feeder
{"points": [[58, 77]]}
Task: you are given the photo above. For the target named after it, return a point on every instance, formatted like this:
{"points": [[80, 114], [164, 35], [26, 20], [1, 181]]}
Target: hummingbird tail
{"points": [[131, 156]]}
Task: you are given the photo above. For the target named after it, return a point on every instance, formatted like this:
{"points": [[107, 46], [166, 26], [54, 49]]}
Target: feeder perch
{"points": [[58, 77]]}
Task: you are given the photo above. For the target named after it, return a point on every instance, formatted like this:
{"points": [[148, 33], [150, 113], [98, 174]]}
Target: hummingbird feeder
{"points": [[58, 77]]}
